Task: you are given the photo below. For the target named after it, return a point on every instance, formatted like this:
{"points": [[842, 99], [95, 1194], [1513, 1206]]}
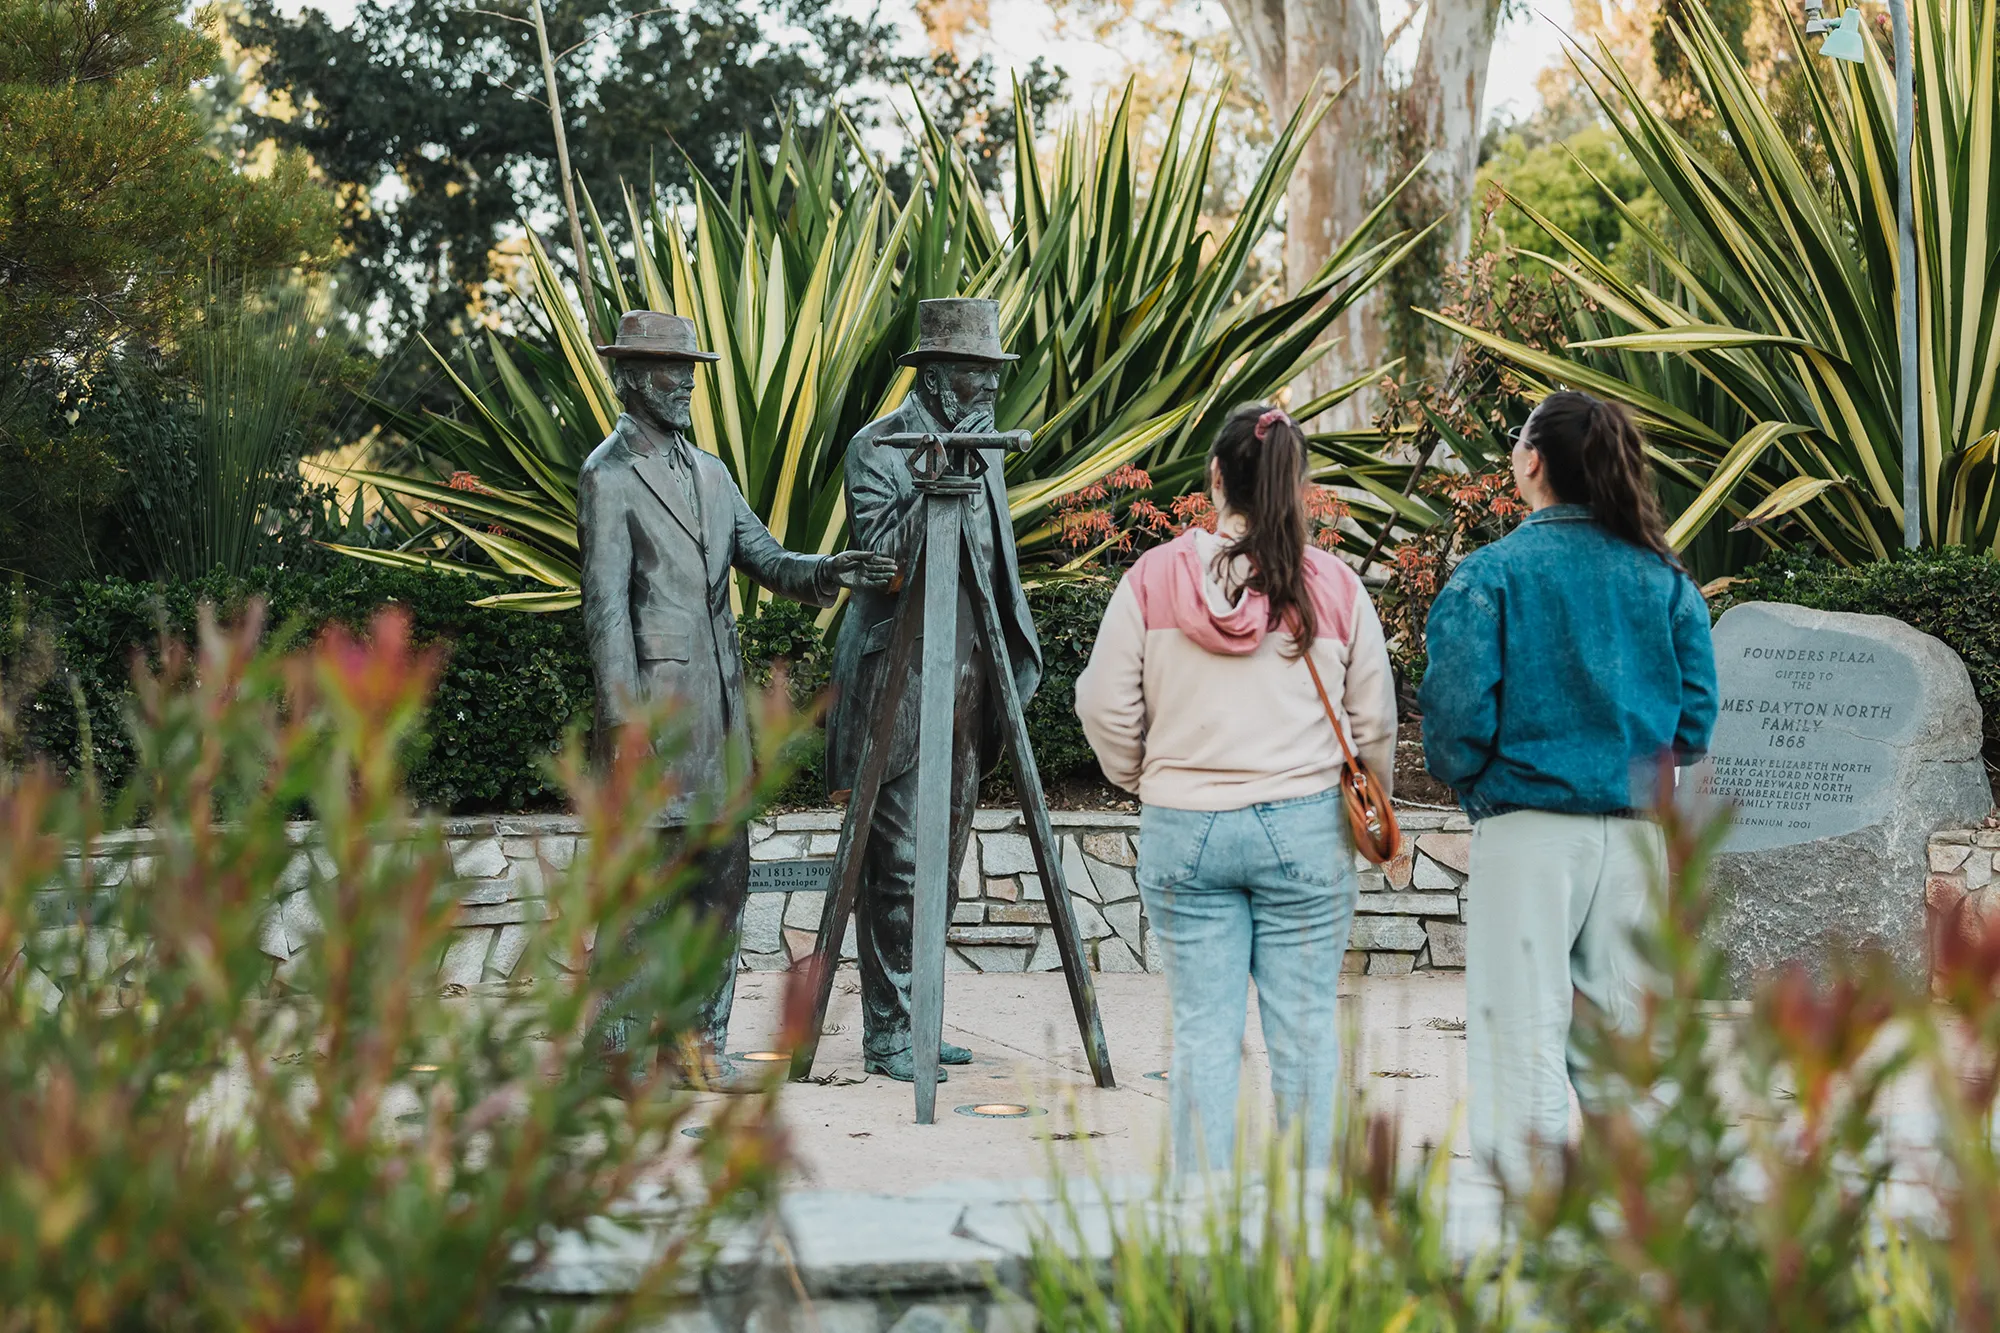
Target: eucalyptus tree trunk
{"points": [[1298, 48], [1448, 88]]}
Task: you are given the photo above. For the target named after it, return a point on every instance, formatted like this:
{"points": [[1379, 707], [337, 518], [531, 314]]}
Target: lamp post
{"points": [[1844, 42]]}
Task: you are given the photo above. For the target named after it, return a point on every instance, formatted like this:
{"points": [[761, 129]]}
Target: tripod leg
{"points": [[1041, 836], [934, 739], [854, 829]]}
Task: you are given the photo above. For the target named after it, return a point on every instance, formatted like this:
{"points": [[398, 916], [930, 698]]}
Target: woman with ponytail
{"points": [[1565, 660], [1200, 698]]}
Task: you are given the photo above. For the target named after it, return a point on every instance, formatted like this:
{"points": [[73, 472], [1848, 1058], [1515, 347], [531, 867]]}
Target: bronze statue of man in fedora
{"points": [[661, 524], [958, 361]]}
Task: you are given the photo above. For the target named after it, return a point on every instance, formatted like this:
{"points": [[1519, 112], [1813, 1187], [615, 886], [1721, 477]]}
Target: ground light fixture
{"points": [[1843, 39], [418, 1074], [763, 1057], [1844, 42], [1000, 1110]]}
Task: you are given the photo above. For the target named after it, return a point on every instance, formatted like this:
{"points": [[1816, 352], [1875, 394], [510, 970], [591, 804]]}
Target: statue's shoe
{"points": [[949, 1054], [902, 1066]]}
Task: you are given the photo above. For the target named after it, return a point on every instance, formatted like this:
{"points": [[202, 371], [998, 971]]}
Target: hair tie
{"points": [[1269, 419]]}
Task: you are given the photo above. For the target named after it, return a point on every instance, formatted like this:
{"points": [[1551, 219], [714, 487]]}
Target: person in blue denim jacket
{"points": [[1565, 659]]}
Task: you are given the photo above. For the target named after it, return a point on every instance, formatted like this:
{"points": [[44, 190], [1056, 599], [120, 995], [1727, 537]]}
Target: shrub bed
{"points": [[1067, 616], [513, 685]]}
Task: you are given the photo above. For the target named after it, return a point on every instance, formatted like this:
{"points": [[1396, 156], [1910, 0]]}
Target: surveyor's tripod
{"points": [[949, 473]]}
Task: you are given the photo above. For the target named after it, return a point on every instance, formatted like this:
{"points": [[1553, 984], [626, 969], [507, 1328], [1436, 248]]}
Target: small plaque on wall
{"points": [[791, 876]]}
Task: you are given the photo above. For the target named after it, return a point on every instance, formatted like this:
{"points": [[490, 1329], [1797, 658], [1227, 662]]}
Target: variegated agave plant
{"points": [[1767, 363], [1132, 318]]}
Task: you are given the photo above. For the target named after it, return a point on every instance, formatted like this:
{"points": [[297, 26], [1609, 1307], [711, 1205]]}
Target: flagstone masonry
{"points": [[1410, 914]]}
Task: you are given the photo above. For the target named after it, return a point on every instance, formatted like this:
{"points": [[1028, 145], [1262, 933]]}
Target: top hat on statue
{"points": [[957, 328], [662, 337]]}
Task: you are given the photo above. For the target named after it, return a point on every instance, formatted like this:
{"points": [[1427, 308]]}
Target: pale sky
{"points": [[1023, 29]]}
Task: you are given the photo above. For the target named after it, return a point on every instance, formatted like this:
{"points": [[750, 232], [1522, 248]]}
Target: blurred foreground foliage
{"points": [[194, 1142], [1736, 1171]]}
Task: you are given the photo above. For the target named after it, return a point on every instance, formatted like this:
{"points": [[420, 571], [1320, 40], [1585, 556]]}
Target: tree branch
{"points": [[607, 30], [1403, 24]]}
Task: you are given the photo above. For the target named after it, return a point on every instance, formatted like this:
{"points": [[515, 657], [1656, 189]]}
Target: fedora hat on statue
{"points": [[649, 333], [957, 328]]}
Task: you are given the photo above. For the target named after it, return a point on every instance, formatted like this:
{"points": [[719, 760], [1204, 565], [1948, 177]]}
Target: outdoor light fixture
{"points": [[1159, 1074], [696, 1131], [999, 1111], [763, 1057], [1844, 41]]}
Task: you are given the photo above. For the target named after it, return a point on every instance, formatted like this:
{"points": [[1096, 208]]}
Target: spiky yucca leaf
{"points": [[1134, 332], [1785, 306]]}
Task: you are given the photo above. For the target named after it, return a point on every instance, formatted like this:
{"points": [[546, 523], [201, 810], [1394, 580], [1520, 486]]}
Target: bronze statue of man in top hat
{"points": [[958, 360], [661, 524]]}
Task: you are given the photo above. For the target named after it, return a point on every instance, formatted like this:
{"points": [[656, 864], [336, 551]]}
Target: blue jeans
{"points": [[1265, 892]]}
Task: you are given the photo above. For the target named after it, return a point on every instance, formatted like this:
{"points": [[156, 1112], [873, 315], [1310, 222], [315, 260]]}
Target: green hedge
{"points": [[781, 633], [511, 688], [1067, 616], [1953, 594], [513, 685]]}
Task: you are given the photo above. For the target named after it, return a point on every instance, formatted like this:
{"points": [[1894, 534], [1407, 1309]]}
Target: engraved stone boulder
{"points": [[1843, 742]]}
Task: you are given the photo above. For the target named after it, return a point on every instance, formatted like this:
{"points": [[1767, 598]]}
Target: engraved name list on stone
{"points": [[1807, 731], [1853, 733]]}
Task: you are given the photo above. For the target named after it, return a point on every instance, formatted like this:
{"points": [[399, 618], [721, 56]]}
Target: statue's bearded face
{"points": [[961, 390], [660, 391]]}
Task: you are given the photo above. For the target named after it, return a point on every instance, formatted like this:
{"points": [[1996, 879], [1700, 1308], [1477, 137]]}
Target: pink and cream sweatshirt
{"points": [[1191, 700]]}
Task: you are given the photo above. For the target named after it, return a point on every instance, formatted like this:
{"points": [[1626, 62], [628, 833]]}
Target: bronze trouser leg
{"points": [[889, 872], [717, 892]]}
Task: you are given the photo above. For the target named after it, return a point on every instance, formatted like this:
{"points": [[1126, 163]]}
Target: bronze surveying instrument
{"points": [[948, 470]]}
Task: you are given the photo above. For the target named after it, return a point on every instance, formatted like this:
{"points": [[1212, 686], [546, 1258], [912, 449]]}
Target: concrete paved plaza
{"points": [[886, 1221], [851, 1132], [891, 1225]]}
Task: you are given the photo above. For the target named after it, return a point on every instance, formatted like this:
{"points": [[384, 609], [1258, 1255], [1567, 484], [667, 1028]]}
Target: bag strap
{"points": [[1331, 716]]}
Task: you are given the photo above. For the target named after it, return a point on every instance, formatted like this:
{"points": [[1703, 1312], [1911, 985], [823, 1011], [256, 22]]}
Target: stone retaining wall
{"points": [[1963, 890], [1410, 915]]}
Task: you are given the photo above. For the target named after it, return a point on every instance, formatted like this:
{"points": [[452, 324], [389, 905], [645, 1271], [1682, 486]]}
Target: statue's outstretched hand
{"points": [[862, 569]]}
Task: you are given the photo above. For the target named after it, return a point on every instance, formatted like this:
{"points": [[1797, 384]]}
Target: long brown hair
{"points": [[1595, 455], [1261, 455]]}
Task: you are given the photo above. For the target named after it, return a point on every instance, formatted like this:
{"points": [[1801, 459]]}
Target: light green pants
{"points": [[1551, 906]]}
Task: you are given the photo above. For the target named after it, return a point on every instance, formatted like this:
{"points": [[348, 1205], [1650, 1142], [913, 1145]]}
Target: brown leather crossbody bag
{"points": [[1370, 816]]}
